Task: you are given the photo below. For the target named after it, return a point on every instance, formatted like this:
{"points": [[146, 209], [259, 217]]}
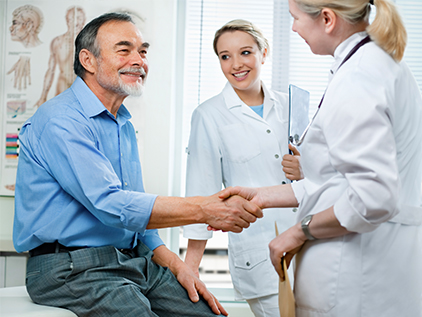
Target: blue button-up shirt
{"points": [[79, 178]]}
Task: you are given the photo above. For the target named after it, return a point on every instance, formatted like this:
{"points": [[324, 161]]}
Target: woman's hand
{"points": [[287, 244], [291, 164]]}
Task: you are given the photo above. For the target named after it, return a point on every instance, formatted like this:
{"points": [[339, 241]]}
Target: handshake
{"points": [[230, 210]]}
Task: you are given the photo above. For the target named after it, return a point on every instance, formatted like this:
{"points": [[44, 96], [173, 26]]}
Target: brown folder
{"points": [[286, 299]]}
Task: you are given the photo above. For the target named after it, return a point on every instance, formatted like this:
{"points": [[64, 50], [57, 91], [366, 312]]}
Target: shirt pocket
{"points": [[239, 142]]}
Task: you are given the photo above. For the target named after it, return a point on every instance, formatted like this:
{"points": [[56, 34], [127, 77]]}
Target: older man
{"points": [[81, 209]]}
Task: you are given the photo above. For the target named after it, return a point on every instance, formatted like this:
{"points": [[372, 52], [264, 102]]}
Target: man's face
{"points": [[122, 66]]}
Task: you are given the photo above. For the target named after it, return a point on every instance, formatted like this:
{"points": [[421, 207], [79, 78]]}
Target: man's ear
{"points": [[88, 60], [329, 19]]}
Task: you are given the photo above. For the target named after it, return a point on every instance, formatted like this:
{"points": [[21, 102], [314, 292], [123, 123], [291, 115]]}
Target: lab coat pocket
{"points": [[253, 274], [240, 144], [317, 275]]}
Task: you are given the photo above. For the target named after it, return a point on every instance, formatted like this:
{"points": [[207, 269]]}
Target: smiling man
{"points": [[81, 209]]}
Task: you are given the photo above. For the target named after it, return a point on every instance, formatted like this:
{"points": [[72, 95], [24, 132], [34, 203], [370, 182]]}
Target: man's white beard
{"points": [[121, 87], [135, 90]]}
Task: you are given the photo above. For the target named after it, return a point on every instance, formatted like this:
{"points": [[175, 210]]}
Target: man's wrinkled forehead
{"points": [[121, 33]]}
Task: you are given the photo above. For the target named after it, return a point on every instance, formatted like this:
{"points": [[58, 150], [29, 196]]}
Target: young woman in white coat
{"points": [[240, 137], [356, 242]]}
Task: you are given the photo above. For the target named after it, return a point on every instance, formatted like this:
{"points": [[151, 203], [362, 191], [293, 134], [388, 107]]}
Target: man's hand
{"points": [[291, 164], [233, 213], [195, 287], [187, 278]]}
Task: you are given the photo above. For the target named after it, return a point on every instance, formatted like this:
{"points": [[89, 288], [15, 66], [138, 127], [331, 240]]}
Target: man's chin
{"points": [[135, 90]]}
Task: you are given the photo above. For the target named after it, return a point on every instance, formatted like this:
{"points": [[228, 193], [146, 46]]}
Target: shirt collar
{"points": [[343, 49], [232, 99], [91, 104]]}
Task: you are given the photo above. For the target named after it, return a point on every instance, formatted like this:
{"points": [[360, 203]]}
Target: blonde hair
{"points": [[244, 26], [387, 30]]}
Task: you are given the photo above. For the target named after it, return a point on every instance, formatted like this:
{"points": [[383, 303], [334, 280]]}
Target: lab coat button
{"points": [[248, 263], [283, 182], [294, 209], [268, 131], [276, 156]]}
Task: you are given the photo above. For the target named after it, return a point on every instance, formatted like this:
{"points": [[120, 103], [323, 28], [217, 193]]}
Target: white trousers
{"points": [[266, 306]]}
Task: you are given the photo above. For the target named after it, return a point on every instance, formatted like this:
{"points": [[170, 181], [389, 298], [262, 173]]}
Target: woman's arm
{"points": [[278, 196], [323, 225]]}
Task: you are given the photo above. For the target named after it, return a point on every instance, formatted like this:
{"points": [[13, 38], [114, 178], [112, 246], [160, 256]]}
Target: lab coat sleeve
{"points": [[204, 170], [361, 143], [298, 190]]}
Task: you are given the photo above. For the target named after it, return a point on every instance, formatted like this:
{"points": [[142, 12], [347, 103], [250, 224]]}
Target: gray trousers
{"points": [[105, 282]]}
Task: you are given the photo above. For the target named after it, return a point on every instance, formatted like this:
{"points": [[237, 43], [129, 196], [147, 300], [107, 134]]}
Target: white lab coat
{"points": [[363, 155], [231, 145]]}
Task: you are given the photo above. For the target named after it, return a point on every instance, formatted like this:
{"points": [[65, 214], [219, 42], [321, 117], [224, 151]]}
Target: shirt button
{"points": [[276, 156], [248, 263], [125, 184], [268, 131]]}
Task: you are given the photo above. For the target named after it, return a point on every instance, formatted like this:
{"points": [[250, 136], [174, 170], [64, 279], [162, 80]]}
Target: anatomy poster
{"points": [[38, 55]]}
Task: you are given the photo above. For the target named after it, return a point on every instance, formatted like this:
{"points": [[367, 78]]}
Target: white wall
{"points": [[152, 114]]}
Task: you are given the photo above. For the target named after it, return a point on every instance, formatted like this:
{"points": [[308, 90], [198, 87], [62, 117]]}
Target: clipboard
{"points": [[298, 112]]}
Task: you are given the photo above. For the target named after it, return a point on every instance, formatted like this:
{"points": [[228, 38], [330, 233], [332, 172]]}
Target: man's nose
{"points": [[138, 60]]}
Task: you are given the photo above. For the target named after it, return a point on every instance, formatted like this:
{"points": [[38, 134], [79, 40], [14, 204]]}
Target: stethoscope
{"points": [[295, 140]]}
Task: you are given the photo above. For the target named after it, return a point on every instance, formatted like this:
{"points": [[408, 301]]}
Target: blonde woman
{"points": [[239, 137], [356, 244]]}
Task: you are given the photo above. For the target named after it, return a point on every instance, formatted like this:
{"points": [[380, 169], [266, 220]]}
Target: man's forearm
{"points": [[175, 211], [166, 258], [230, 214]]}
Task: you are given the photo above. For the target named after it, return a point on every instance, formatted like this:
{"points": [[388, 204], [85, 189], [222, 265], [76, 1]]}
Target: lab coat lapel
{"points": [[269, 100], [233, 102]]}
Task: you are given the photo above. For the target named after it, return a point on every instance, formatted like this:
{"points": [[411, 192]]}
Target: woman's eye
{"points": [[224, 57], [246, 52]]}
